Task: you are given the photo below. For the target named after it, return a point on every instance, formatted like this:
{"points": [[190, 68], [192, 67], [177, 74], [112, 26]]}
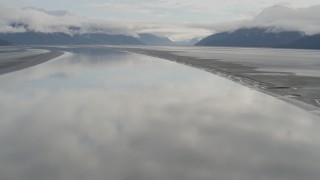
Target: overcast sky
{"points": [[178, 19], [163, 10]]}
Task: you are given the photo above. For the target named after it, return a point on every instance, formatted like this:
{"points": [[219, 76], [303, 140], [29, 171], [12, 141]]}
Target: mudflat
{"points": [[293, 78], [23, 60]]}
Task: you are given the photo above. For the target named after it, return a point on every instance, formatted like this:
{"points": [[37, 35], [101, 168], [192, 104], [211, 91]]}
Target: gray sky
{"points": [[178, 19], [163, 10]]}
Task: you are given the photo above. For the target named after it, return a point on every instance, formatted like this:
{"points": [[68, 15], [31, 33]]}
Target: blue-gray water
{"points": [[98, 114]]}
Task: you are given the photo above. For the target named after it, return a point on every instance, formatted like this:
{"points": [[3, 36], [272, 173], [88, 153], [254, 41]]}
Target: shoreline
{"points": [[288, 94], [24, 62]]}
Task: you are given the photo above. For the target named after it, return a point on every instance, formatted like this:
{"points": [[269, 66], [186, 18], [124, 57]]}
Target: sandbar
{"points": [[8, 65]]}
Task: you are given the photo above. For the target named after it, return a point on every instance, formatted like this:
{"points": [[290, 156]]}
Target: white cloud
{"points": [[40, 20], [32, 19], [175, 31], [302, 19], [277, 17]]}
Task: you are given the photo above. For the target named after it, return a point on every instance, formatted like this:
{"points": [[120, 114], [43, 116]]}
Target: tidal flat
{"points": [[288, 74], [96, 113], [15, 58]]}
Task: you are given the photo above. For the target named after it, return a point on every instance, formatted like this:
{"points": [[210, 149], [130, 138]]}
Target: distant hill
{"points": [[153, 40], [150, 39], [37, 38], [251, 37], [4, 43], [194, 41], [308, 42], [187, 42]]}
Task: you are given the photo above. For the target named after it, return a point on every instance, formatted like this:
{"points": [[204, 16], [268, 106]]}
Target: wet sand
{"points": [[300, 90], [8, 65]]}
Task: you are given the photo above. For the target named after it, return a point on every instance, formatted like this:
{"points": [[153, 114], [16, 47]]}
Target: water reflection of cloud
{"points": [[194, 127]]}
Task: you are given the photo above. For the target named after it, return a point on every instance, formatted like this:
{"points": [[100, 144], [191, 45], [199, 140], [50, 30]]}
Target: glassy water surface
{"points": [[100, 114]]}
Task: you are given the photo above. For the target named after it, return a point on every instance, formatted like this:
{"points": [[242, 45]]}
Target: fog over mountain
{"points": [[14, 20], [276, 26], [17, 20], [280, 18], [276, 18], [284, 18]]}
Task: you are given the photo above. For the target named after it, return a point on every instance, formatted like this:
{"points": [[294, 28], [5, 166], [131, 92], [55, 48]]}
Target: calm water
{"points": [[99, 114]]}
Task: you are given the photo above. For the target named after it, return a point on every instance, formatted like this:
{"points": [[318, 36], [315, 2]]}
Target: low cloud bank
{"points": [[39, 20], [14, 20], [284, 18], [280, 18], [277, 18]]}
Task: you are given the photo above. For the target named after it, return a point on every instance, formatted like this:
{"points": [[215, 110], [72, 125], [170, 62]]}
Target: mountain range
{"points": [[153, 40], [244, 37], [38, 38], [150, 39], [262, 37], [4, 43], [307, 42]]}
